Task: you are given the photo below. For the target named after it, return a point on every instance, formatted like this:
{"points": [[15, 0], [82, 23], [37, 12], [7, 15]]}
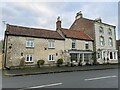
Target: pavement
{"points": [[107, 79], [48, 70]]}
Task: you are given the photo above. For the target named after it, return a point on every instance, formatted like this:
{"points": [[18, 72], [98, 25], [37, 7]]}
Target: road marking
{"points": [[100, 78], [41, 86]]}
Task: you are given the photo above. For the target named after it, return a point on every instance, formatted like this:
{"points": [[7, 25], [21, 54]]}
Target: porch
{"points": [[81, 56], [107, 56]]}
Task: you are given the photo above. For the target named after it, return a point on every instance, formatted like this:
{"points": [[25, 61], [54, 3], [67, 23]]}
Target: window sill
{"points": [[51, 60], [74, 48], [26, 62], [30, 47], [51, 48]]}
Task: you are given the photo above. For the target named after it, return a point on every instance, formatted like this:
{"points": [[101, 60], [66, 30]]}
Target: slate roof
{"points": [[32, 32]]}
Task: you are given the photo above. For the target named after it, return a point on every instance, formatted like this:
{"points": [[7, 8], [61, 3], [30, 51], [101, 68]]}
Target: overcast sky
{"points": [[44, 14]]}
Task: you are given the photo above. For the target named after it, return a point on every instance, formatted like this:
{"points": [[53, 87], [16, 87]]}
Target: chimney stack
{"points": [[98, 20], [79, 15], [58, 23]]}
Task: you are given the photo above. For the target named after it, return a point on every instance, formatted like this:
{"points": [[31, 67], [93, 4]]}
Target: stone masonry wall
{"points": [[40, 50]]}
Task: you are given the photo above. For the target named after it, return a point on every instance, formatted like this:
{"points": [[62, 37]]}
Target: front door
{"points": [[73, 57]]}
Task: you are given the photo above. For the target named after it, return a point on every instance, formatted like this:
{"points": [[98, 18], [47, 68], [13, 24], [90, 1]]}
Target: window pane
{"points": [[27, 58], [51, 44], [111, 56], [52, 57], [29, 43], [49, 57], [86, 46], [73, 43], [30, 57], [102, 41]]}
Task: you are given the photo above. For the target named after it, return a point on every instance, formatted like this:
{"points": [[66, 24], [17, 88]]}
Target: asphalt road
{"points": [[83, 79]]}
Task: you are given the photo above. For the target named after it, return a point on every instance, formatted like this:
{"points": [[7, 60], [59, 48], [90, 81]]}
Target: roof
{"points": [[74, 34], [86, 25], [32, 32], [83, 21]]}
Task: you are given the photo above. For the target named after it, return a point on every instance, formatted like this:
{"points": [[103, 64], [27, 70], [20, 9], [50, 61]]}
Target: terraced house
{"points": [[104, 36], [78, 43], [34, 44]]}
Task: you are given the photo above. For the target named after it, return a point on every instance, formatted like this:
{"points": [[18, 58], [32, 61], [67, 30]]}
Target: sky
{"points": [[44, 14]]}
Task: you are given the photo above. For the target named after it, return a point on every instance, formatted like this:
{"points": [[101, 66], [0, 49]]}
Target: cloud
{"points": [[44, 14]]}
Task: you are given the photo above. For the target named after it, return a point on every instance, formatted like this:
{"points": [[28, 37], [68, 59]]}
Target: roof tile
{"points": [[33, 32]]}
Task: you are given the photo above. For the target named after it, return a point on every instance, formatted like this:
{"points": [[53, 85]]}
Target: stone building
{"points": [[32, 44], [86, 40], [104, 36]]}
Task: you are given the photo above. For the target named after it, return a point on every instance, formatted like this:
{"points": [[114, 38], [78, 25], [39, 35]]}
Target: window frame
{"points": [[109, 31], [74, 43], [30, 43], [87, 43], [51, 44], [51, 57], [99, 55], [29, 56], [101, 31], [110, 42], [102, 42]]}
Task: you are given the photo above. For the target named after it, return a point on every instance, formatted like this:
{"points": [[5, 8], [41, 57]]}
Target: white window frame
{"points": [[109, 31], [99, 55], [51, 57], [101, 30], [102, 42], [87, 43], [73, 42], [51, 44], [110, 42], [29, 56], [29, 43]]}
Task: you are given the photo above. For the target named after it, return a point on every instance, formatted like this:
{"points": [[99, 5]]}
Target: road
{"points": [[82, 79]]}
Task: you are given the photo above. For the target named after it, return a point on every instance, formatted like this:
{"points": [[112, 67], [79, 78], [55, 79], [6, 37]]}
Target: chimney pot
{"points": [[79, 15], [98, 19], [58, 23]]}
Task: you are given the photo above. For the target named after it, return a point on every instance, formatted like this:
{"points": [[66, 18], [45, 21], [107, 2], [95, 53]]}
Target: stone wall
{"points": [[105, 35], [17, 45], [80, 44], [39, 51]]}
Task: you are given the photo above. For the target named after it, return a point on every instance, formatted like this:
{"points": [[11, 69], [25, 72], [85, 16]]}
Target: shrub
{"points": [[40, 62], [59, 62]]}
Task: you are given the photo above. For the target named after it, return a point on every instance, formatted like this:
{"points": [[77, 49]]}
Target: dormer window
{"points": [[101, 30]]}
